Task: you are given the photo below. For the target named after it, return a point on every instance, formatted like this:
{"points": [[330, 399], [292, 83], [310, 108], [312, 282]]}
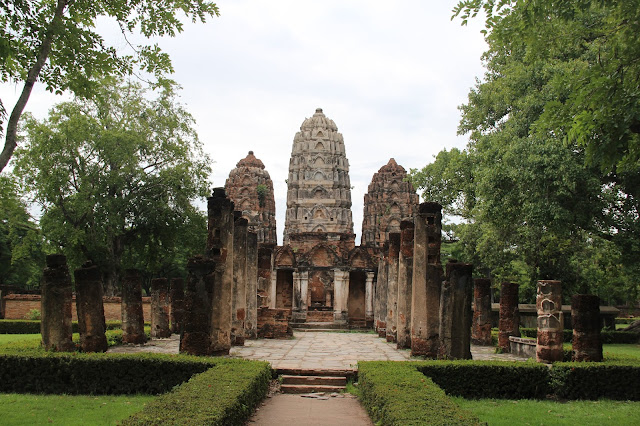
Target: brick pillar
{"points": [[196, 323], [392, 287], [239, 293], [340, 295], [426, 281], [481, 328], [550, 335], [265, 254], [368, 294], [90, 308], [160, 304], [220, 249], [55, 309], [509, 323], [585, 317], [405, 271], [380, 294], [177, 304], [455, 312], [251, 319], [132, 315]]}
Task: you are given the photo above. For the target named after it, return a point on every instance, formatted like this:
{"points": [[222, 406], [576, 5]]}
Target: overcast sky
{"points": [[390, 74]]}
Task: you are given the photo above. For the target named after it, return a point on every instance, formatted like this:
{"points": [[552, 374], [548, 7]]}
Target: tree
{"points": [[538, 200], [22, 250], [114, 174], [55, 42]]}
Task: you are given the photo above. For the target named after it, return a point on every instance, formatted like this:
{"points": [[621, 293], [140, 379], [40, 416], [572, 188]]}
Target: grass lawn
{"points": [[23, 409], [8, 338], [620, 349], [530, 412]]}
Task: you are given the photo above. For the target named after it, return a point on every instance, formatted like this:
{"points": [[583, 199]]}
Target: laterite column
{"points": [[176, 295], [196, 323], [380, 294], [239, 293], [585, 317], [132, 314], [160, 304], [405, 271], [509, 323], [90, 308], [251, 319], [392, 286], [481, 326], [549, 307], [55, 309], [455, 312]]}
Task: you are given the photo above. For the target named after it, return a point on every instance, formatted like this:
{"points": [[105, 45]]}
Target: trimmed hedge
{"points": [[396, 393], [573, 380], [608, 336], [33, 326], [625, 320], [38, 371], [495, 379], [226, 394]]}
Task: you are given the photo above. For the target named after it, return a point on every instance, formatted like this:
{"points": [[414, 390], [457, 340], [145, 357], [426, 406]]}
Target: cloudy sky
{"points": [[390, 74]]}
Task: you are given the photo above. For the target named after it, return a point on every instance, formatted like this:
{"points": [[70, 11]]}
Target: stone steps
{"points": [[303, 383]]}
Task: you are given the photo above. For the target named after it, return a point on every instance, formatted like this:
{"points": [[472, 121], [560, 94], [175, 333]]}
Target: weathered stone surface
{"points": [[176, 295], [392, 287], [251, 319], [319, 189], [90, 308], [250, 188], [405, 276], [380, 296], [481, 325], [509, 323], [160, 307], [274, 323], [427, 281], [55, 324], [132, 314], [455, 312], [389, 199], [585, 316], [220, 249], [550, 333], [196, 326], [265, 260], [239, 292]]}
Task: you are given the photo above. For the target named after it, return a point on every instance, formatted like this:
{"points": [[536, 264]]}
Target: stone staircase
{"points": [[313, 381]]}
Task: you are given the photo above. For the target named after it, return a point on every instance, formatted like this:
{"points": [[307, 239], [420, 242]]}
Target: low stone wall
{"points": [[522, 347], [529, 316], [17, 306], [274, 323]]}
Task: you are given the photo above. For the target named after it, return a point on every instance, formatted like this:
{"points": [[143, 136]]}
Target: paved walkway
{"points": [[313, 350]]}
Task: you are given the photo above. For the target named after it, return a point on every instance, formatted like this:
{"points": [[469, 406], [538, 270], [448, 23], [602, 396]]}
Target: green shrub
{"points": [[38, 371], [576, 380], [33, 326], [226, 394], [33, 314], [495, 379], [396, 393], [625, 320]]}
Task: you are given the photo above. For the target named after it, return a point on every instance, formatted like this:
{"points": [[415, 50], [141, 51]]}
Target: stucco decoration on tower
{"points": [[319, 189], [250, 188], [390, 198]]}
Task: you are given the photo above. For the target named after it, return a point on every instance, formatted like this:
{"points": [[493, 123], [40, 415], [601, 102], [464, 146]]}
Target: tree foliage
{"points": [[22, 248], [115, 177], [56, 43], [541, 196]]}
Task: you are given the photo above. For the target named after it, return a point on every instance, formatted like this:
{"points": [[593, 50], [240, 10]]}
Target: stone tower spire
{"points": [[319, 190], [389, 200], [250, 188]]}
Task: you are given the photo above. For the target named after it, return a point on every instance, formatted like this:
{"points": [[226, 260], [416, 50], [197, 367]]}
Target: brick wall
{"points": [[17, 306]]}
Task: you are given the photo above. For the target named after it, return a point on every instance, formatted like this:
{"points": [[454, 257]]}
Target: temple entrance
{"points": [[320, 290], [284, 289], [356, 300]]}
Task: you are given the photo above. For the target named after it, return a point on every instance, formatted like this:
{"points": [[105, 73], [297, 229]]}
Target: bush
{"points": [[226, 394], [33, 326], [496, 379], [38, 371], [395, 393], [575, 380], [625, 320], [34, 314]]}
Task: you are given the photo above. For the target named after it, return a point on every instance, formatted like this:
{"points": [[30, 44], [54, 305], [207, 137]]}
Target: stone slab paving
{"points": [[284, 409], [313, 350]]}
